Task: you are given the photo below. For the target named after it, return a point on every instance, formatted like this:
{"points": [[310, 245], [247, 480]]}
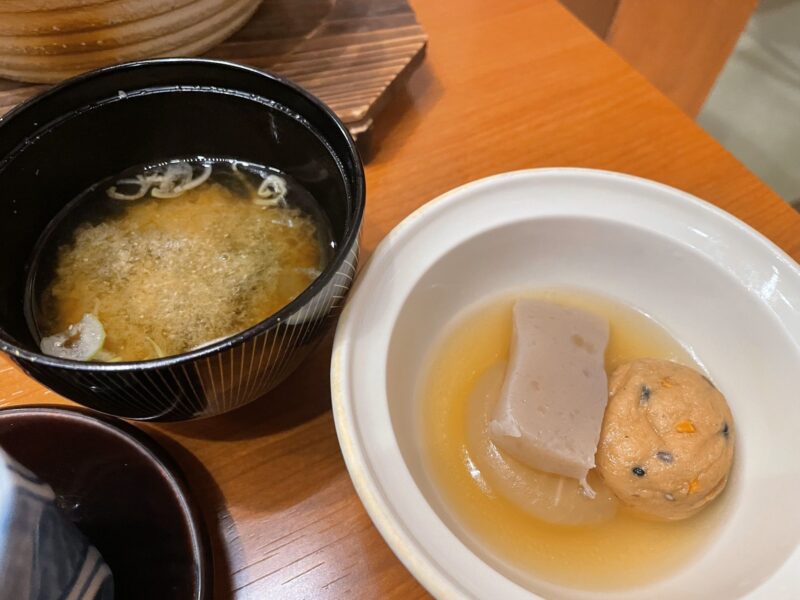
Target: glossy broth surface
{"points": [[624, 551]]}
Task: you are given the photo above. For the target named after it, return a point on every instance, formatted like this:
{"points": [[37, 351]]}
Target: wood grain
{"points": [[679, 45], [348, 52], [506, 85], [52, 41]]}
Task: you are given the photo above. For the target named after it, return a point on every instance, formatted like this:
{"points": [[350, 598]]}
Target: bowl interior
{"points": [[98, 125], [715, 285]]}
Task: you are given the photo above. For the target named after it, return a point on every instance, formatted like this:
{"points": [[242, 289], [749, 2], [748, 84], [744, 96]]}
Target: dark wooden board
{"points": [[350, 53]]}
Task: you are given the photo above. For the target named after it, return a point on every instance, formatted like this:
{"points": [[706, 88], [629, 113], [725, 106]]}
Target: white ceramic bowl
{"points": [[717, 285]]}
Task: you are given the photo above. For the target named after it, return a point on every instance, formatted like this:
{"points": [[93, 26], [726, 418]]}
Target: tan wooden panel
{"points": [[679, 45]]}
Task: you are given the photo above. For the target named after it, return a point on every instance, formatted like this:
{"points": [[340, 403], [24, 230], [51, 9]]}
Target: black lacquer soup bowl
{"points": [[97, 125]]}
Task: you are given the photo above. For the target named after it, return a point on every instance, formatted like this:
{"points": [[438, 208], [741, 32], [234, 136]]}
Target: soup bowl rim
{"points": [[357, 193]]}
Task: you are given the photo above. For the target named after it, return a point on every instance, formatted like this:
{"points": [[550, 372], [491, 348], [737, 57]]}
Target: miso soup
{"points": [[160, 260]]}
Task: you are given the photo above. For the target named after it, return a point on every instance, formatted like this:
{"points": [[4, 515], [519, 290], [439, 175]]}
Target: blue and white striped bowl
{"points": [[98, 124], [42, 554]]}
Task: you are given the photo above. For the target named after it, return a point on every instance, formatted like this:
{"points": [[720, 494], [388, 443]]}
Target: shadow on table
{"points": [[304, 395], [405, 108], [211, 504]]}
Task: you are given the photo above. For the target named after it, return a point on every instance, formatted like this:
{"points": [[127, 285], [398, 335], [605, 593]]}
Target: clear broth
{"points": [[622, 552]]}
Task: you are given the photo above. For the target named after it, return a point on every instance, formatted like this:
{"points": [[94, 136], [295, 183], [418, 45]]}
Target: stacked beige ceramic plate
{"points": [[48, 40]]}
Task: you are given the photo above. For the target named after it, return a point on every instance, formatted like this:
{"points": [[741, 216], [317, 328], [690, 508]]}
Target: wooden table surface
{"points": [[506, 85]]}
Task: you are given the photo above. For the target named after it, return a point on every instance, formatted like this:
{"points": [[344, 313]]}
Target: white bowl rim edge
{"points": [[405, 548]]}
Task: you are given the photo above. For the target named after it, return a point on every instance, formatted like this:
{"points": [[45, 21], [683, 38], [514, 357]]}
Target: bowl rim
{"points": [[361, 470], [350, 238], [186, 500]]}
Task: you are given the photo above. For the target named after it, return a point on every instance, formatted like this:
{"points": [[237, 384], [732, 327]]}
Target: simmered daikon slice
{"points": [[549, 497]]}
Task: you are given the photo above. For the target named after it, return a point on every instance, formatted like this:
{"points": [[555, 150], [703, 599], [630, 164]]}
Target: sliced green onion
{"points": [[271, 192], [81, 341]]}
